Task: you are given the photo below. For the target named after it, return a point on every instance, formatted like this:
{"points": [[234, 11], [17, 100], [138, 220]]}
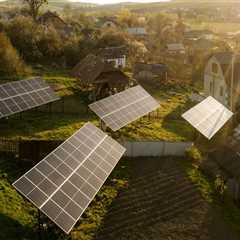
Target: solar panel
{"points": [[125, 107], [208, 116], [23, 95], [64, 183]]}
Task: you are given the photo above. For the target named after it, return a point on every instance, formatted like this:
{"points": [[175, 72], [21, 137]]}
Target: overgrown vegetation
{"points": [[11, 63], [212, 189]]}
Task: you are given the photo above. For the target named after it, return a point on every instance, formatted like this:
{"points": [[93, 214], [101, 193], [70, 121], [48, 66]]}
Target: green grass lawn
{"points": [[18, 217], [168, 126]]}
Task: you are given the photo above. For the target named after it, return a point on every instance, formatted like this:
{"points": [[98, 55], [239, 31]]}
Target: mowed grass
{"points": [[18, 217], [168, 126]]}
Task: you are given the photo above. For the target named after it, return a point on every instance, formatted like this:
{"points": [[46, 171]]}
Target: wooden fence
{"points": [[9, 147]]}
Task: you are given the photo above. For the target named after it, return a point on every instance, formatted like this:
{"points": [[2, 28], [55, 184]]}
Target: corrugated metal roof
{"points": [[137, 31]]}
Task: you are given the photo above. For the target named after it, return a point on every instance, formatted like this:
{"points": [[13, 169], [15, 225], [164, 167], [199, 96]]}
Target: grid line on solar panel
{"points": [[71, 196], [23, 95], [208, 116], [122, 108]]}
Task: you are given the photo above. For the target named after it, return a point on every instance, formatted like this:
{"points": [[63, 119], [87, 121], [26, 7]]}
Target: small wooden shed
{"points": [[102, 78]]}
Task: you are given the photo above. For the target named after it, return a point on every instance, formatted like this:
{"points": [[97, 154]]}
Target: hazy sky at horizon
{"points": [[117, 1], [114, 1]]}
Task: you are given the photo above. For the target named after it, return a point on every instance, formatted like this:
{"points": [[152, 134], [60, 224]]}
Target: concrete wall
{"points": [[155, 149]]}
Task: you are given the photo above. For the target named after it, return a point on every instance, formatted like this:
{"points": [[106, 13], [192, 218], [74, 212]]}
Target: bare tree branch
{"points": [[34, 6]]}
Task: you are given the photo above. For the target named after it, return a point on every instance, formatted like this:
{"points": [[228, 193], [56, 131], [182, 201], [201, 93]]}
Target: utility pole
{"points": [[232, 77]]}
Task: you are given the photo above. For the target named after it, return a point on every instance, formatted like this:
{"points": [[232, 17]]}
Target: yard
{"points": [[18, 217], [168, 125]]}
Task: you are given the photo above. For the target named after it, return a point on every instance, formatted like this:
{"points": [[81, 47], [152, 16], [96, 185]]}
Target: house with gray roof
{"points": [[137, 31], [176, 48], [150, 71]]}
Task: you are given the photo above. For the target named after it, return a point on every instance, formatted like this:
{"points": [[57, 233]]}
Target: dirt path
{"points": [[161, 203]]}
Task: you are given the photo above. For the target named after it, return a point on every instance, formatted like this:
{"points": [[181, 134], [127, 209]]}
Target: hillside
{"points": [[136, 7], [52, 3]]}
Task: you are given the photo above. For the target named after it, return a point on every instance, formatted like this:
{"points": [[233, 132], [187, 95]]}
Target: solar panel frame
{"points": [[125, 107], [208, 117], [23, 95], [84, 173]]}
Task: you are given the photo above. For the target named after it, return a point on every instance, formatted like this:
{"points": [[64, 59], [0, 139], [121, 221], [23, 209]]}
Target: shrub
{"points": [[49, 44], [194, 154], [10, 62], [220, 185], [71, 51], [24, 34], [44, 44], [112, 38]]}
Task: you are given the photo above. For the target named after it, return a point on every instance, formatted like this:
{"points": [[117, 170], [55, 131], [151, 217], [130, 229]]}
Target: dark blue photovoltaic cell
{"points": [[125, 107], [23, 95], [64, 183]]}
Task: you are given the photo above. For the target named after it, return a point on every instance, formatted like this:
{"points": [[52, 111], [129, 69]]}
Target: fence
{"points": [[37, 149], [156, 149], [9, 147]]}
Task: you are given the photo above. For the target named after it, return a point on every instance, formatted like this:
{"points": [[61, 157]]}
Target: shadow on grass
{"points": [[11, 168], [32, 124], [12, 229], [174, 122]]}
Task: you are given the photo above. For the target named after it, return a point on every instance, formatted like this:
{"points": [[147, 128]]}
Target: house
{"points": [[222, 79], [51, 19], [176, 48], [4, 16], [115, 55], [137, 32], [102, 78], [202, 44], [107, 23], [196, 34], [150, 71]]}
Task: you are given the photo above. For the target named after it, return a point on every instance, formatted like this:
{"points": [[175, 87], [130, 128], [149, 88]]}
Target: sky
{"points": [[116, 1]]}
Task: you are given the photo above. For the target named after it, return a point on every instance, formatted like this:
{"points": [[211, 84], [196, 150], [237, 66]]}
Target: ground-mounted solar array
{"points": [[22, 95], [125, 107], [64, 183], [208, 117]]}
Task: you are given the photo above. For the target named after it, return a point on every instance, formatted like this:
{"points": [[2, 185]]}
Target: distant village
{"points": [[108, 53]]}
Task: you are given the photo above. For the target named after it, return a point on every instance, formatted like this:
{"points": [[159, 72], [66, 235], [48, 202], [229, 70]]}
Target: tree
{"points": [[112, 38], [10, 62], [34, 6]]}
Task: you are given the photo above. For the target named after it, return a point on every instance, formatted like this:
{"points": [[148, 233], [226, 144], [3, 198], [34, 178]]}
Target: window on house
{"points": [[211, 87], [221, 91], [214, 68]]}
